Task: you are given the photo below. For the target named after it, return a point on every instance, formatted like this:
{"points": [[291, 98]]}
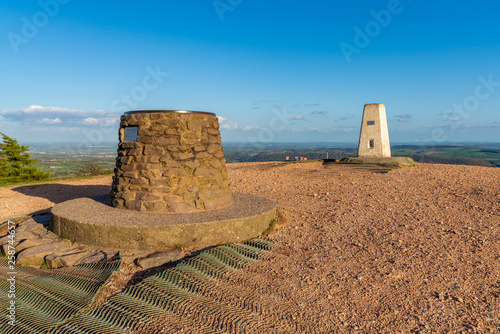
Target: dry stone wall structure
{"points": [[170, 161]]}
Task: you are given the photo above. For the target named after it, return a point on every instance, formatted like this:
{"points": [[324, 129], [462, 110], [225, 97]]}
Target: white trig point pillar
{"points": [[374, 137]]}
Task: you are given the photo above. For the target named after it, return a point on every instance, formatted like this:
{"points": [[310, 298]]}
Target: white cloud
{"points": [[316, 129], [111, 121], [298, 117], [226, 124], [49, 121], [403, 118], [34, 109], [54, 129], [453, 119], [36, 115], [252, 128], [90, 121], [323, 112], [344, 118]]}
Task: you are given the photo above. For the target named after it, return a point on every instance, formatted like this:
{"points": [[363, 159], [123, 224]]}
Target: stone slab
{"points": [[26, 243], [130, 257], [35, 256], [394, 161], [67, 258], [28, 226], [17, 237], [160, 258], [92, 257], [94, 223]]}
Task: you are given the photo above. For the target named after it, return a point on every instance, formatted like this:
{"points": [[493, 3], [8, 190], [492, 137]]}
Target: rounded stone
{"points": [[91, 222]]}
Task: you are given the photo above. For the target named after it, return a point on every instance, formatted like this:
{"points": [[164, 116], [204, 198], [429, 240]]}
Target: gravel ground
{"points": [[414, 250]]}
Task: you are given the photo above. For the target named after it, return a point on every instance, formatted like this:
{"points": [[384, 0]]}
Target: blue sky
{"points": [[274, 71]]}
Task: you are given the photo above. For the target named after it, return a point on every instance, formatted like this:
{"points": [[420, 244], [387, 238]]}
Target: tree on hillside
{"points": [[92, 168], [16, 164]]}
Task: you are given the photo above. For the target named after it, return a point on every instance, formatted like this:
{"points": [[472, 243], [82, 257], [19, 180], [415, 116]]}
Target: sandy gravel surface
{"points": [[416, 250]]}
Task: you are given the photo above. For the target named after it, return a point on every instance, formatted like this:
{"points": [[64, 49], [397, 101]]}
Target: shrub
{"points": [[92, 168], [16, 164]]}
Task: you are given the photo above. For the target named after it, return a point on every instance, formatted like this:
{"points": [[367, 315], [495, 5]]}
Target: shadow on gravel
{"points": [[360, 167], [58, 193]]}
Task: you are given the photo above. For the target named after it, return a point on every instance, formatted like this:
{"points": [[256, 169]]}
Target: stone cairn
{"points": [[170, 161]]}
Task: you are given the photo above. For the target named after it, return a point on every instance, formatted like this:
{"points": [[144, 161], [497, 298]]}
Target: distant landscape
{"points": [[68, 160]]}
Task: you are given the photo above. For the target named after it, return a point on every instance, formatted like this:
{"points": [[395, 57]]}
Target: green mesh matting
{"points": [[182, 296], [45, 298]]}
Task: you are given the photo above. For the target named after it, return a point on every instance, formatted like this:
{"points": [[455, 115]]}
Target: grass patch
{"points": [[275, 223], [271, 227], [45, 265], [55, 180]]}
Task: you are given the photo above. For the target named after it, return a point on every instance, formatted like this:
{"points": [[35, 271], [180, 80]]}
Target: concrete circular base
{"points": [[91, 222], [393, 161]]}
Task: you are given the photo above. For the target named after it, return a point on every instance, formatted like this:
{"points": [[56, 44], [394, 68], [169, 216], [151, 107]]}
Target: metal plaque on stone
{"points": [[130, 133]]}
